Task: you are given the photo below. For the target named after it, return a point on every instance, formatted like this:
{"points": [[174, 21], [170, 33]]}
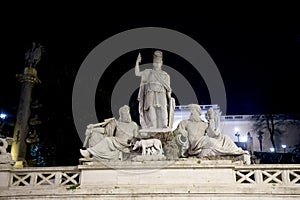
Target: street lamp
{"points": [[272, 149], [284, 147], [237, 134]]}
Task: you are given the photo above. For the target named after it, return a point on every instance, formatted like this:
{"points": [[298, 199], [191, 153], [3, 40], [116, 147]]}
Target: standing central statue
{"points": [[154, 95]]}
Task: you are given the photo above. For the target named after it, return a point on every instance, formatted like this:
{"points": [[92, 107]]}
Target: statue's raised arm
{"points": [[213, 118], [137, 65]]}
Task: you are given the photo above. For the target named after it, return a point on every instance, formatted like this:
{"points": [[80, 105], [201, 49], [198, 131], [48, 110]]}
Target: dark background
{"points": [[257, 54]]}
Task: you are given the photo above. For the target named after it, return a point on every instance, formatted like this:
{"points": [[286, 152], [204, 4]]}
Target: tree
{"points": [[260, 138], [272, 122]]}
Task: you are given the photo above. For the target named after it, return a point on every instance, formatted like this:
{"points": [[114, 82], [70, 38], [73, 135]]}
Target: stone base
{"points": [[141, 158], [242, 159], [157, 173], [155, 130], [152, 132], [190, 178]]}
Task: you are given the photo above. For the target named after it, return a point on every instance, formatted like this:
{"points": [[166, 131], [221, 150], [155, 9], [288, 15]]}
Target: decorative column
{"points": [[28, 79]]}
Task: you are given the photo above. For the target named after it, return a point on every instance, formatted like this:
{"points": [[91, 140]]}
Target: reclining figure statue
{"points": [[112, 140], [204, 139]]}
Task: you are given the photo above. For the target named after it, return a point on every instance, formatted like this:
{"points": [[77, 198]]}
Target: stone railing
{"points": [[43, 177], [268, 174], [219, 179]]}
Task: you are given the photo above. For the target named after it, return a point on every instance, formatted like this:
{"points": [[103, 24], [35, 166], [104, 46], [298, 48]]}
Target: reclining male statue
{"points": [[116, 138], [199, 138]]}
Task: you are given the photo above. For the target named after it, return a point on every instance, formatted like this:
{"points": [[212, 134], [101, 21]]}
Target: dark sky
{"points": [[257, 57]]}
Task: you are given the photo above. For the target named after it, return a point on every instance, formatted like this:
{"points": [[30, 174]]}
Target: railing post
{"points": [[285, 177], [57, 180], [258, 177], [5, 178], [33, 179]]}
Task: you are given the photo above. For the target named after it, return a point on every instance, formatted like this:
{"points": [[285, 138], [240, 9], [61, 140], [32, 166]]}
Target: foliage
{"points": [[276, 158], [272, 122], [73, 187]]}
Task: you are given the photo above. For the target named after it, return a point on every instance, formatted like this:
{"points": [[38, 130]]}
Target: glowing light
{"points": [[3, 115], [272, 149], [243, 139], [236, 129], [283, 146]]}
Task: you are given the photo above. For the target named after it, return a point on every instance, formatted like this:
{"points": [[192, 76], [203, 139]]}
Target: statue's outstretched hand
{"points": [[139, 59], [90, 126]]}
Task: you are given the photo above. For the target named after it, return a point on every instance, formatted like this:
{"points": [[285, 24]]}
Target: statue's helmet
{"points": [[157, 56]]}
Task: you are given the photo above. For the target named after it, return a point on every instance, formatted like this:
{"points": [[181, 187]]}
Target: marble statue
{"points": [[204, 139], [190, 133], [250, 143], [154, 94], [219, 144], [5, 157], [96, 132], [149, 146], [33, 55], [3, 147], [115, 139]]}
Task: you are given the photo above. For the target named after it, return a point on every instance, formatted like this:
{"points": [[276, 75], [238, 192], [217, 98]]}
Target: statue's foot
{"points": [[85, 153]]}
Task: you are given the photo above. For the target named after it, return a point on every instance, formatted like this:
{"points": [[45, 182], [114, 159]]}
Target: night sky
{"points": [[257, 57]]}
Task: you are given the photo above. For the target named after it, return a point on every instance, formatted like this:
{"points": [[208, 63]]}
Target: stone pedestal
{"points": [[154, 132], [183, 179], [156, 174]]}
